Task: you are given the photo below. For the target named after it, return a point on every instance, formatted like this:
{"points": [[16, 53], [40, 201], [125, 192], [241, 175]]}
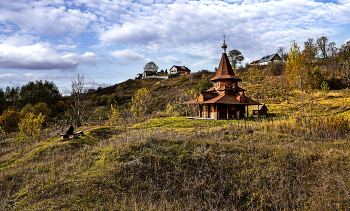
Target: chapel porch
{"points": [[222, 111]]}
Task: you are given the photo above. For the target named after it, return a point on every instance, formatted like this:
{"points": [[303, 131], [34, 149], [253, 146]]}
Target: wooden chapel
{"points": [[225, 100]]}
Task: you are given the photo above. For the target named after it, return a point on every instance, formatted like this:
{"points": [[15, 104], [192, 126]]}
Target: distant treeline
{"points": [[31, 93]]}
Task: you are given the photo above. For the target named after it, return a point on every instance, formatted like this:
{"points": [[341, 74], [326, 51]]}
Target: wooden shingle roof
{"points": [[238, 99], [225, 70]]}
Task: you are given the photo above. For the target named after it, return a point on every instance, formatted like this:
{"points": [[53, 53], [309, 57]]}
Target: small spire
{"points": [[224, 46]]}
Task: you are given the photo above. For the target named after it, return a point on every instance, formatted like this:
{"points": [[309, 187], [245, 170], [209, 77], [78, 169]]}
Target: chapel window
{"points": [[216, 85]]}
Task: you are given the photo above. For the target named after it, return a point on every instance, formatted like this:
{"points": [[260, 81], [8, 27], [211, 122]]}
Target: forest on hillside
{"points": [[321, 65]]}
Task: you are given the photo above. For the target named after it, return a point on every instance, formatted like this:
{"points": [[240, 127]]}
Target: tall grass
{"points": [[278, 164]]}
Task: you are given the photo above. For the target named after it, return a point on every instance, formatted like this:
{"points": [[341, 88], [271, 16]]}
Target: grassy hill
{"points": [[297, 160]]}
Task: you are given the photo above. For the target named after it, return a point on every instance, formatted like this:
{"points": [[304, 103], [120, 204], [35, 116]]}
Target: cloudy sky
{"points": [[110, 41]]}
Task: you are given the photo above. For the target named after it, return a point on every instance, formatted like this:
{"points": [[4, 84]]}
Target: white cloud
{"points": [[45, 17], [8, 77], [42, 56], [251, 26], [129, 56], [172, 59]]}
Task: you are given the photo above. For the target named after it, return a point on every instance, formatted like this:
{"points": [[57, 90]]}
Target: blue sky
{"points": [[110, 41]]}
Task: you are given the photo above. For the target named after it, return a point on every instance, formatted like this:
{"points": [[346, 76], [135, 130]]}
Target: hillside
{"points": [[297, 159]]}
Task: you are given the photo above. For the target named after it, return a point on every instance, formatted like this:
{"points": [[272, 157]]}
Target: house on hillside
{"points": [[267, 59], [179, 70], [225, 100], [260, 110]]}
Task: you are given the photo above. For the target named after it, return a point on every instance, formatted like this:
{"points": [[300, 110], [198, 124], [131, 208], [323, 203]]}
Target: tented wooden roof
{"points": [[225, 70]]}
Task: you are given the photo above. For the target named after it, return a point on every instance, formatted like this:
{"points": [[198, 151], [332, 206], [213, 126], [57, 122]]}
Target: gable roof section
{"points": [[261, 107], [208, 95], [269, 58], [181, 68], [225, 70]]}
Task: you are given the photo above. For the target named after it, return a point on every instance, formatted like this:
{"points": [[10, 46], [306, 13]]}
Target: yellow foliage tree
{"points": [[42, 108], [113, 116], [139, 103], [296, 70], [30, 126]]}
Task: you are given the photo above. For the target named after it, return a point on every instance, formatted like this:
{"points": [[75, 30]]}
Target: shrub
{"points": [[100, 114], [114, 99], [204, 85], [30, 126], [93, 99], [114, 116], [42, 108], [9, 120], [275, 69], [27, 109], [331, 126], [102, 100]]}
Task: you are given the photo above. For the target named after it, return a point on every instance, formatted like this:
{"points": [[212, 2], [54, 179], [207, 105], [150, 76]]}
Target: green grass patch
{"points": [[183, 122]]}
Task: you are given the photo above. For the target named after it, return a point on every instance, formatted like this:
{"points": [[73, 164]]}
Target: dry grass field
{"points": [[297, 159]]}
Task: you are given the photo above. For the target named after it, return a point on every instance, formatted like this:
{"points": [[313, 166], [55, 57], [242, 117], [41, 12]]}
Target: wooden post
{"points": [[217, 113], [227, 110], [247, 111], [200, 110]]}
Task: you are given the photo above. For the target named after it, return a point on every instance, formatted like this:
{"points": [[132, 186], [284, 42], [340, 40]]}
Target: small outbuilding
{"points": [[260, 110]]}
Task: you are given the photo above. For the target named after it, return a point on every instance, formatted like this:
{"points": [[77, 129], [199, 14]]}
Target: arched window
{"points": [[216, 85], [233, 85]]}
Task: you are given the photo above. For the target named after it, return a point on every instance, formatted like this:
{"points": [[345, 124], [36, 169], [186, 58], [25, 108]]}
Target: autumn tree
{"points": [[235, 57], [310, 50], [139, 103], [296, 71], [30, 126], [9, 120]]}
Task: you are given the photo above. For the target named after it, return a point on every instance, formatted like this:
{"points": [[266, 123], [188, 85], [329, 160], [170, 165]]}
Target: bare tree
{"points": [[332, 49], [151, 66], [78, 101], [322, 44], [282, 52], [344, 56]]}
